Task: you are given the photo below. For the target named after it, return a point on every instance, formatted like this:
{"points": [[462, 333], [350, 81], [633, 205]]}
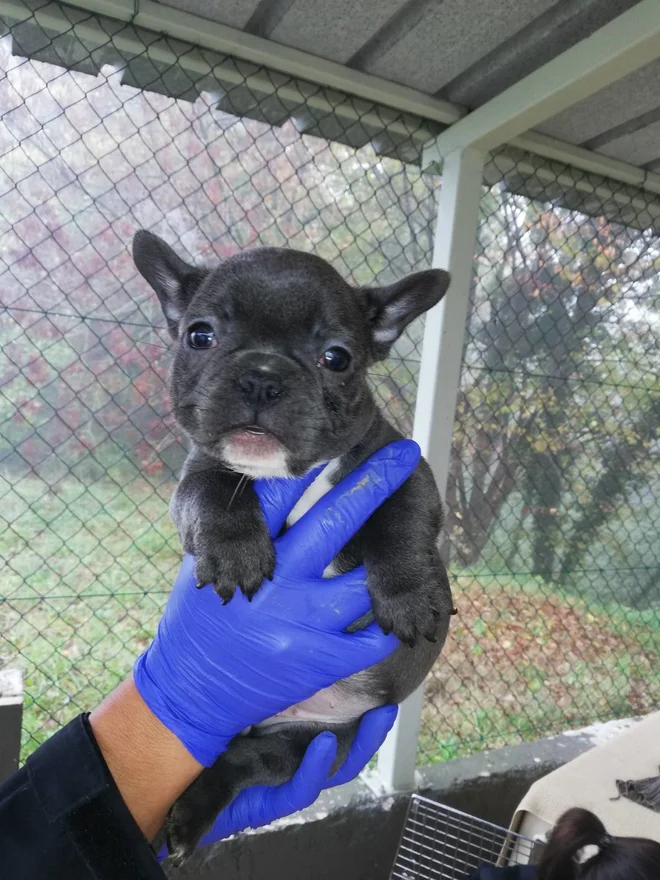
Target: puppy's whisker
{"points": [[156, 345], [240, 486], [243, 484]]}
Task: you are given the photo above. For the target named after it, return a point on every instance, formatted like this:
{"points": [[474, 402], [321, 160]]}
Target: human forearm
{"points": [[149, 765]]}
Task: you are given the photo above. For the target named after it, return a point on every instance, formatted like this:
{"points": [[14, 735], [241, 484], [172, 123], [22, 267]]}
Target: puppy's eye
{"points": [[201, 336], [335, 358]]}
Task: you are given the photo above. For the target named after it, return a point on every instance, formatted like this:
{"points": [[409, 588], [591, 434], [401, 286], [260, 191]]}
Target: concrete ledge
{"points": [[352, 832], [11, 718]]}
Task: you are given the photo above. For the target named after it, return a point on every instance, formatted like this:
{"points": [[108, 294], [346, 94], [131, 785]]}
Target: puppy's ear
{"points": [[174, 281], [391, 309]]}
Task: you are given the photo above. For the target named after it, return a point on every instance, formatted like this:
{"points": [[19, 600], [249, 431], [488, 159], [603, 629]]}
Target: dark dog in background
{"points": [[270, 379]]}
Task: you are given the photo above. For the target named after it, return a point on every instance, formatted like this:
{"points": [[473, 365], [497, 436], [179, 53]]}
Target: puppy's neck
{"points": [[380, 433]]}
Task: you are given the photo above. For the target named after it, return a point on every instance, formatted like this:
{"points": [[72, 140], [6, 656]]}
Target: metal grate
{"points": [[440, 842]]}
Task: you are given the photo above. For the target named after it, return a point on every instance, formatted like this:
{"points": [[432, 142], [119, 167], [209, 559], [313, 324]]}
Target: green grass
{"points": [[87, 570], [86, 574]]}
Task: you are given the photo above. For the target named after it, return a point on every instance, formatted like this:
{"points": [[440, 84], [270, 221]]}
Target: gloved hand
{"points": [[263, 804], [213, 670]]}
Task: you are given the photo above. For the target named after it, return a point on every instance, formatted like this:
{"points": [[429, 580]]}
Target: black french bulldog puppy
{"points": [[270, 379]]}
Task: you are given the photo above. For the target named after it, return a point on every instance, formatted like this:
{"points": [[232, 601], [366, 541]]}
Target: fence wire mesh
{"points": [[105, 129], [553, 501]]}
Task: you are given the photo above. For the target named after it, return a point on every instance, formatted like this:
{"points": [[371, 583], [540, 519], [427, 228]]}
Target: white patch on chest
{"points": [[321, 485], [311, 495]]}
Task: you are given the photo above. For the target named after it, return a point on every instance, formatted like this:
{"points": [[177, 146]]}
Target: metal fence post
{"points": [[439, 377]]}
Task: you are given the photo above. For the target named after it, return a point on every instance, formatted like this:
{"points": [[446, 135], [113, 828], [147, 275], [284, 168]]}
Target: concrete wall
{"points": [[352, 833], [11, 719]]}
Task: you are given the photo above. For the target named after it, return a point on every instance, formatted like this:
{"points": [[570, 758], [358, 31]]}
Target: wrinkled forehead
{"points": [[281, 290]]}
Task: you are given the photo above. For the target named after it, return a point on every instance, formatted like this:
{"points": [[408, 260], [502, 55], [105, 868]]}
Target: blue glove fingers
{"points": [[309, 780], [349, 653], [279, 496], [262, 804], [371, 734], [245, 663], [314, 541], [333, 603], [365, 648]]}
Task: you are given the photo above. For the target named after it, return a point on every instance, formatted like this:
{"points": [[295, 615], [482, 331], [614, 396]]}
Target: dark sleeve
{"points": [[61, 816]]}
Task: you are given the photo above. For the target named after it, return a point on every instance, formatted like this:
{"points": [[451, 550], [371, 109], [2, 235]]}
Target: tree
{"points": [[551, 334], [625, 460]]}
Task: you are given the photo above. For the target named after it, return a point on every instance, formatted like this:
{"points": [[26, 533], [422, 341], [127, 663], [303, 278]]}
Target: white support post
{"points": [[439, 377]]}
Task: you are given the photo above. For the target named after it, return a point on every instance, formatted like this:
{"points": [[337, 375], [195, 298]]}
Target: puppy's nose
{"points": [[260, 386]]}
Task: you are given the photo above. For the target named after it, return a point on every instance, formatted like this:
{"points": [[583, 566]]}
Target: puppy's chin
{"points": [[255, 455]]}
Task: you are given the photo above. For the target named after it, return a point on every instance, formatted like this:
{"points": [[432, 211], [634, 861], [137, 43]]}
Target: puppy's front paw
{"points": [[410, 609], [240, 565], [234, 560]]}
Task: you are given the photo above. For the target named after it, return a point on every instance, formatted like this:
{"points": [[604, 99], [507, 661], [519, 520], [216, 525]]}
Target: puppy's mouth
{"points": [[254, 450], [253, 439]]}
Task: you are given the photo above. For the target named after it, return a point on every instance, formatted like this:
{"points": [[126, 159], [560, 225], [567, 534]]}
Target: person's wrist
{"points": [[150, 766]]}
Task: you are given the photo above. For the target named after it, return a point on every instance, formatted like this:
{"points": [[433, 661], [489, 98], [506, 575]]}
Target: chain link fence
{"points": [[553, 502], [105, 129]]}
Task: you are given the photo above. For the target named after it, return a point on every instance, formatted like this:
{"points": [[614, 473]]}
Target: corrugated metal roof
{"points": [[459, 51], [465, 51]]}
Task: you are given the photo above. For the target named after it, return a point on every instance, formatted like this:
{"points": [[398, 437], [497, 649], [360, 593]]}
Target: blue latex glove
{"points": [[263, 804], [213, 670]]}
